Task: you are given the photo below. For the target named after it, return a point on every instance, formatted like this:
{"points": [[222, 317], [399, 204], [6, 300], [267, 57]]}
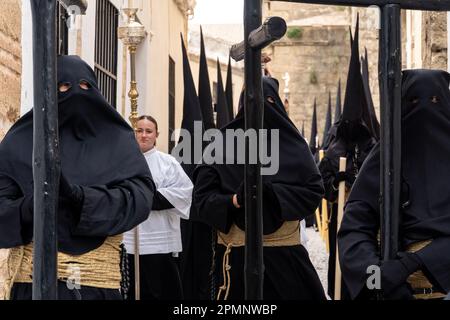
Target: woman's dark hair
{"points": [[149, 118]]}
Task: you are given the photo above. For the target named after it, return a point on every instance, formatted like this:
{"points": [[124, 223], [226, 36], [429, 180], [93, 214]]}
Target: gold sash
{"points": [[99, 268], [287, 235]]}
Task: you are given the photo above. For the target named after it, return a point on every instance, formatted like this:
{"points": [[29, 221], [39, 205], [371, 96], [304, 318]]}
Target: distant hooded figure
{"points": [[351, 137], [424, 235], [196, 256], [314, 141], [289, 196], [106, 189]]}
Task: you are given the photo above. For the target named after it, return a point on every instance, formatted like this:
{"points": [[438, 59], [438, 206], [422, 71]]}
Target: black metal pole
{"points": [[390, 164], [46, 164], [254, 265]]}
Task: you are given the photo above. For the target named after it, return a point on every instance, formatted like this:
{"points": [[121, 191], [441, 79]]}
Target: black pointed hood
{"points": [[352, 127], [328, 123], [223, 115], [87, 127], [425, 156], [313, 142], [338, 110], [350, 136], [351, 35], [229, 90], [371, 117], [191, 109], [204, 88]]}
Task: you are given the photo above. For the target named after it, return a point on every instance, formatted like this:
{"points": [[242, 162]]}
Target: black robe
{"points": [[352, 137], [425, 213], [196, 257], [98, 153], [329, 167], [292, 194]]}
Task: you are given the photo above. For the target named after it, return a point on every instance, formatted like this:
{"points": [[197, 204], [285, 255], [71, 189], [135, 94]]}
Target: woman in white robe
{"points": [[159, 235]]}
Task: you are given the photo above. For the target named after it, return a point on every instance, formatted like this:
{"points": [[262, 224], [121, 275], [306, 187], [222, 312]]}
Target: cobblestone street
{"points": [[318, 255]]}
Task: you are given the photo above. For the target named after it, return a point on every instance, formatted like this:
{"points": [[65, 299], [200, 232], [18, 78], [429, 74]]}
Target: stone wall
{"points": [[319, 56], [10, 70], [10, 63], [315, 64], [434, 37]]}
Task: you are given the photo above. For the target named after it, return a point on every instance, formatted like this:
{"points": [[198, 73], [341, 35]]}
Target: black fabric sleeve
{"points": [[161, 203], [213, 206], [296, 202], [358, 245], [112, 210], [16, 211]]}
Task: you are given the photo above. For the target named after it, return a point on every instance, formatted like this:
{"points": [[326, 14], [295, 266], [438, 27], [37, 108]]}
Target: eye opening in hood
{"points": [[64, 87], [85, 85]]}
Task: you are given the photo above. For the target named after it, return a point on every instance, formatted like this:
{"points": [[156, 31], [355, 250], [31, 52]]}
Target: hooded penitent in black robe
{"points": [[222, 109], [229, 89], [204, 88], [314, 147], [338, 109], [196, 257], [425, 212], [328, 124], [351, 137], [99, 155], [293, 193]]}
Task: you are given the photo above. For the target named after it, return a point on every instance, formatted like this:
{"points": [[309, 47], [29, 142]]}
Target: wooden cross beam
{"points": [[274, 28], [425, 5]]}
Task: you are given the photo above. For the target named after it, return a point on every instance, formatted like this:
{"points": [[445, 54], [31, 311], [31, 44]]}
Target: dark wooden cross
{"points": [[390, 92]]}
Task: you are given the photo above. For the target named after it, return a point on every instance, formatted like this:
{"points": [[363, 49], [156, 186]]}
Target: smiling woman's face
{"points": [[146, 134]]}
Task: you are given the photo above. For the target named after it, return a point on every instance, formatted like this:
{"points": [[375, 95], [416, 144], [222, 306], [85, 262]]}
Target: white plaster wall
{"points": [[164, 22], [27, 59]]}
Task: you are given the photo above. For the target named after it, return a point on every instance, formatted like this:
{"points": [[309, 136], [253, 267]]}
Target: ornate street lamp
{"points": [[132, 33]]}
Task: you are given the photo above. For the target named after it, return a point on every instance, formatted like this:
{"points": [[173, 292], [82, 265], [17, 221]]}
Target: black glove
{"points": [[27, 210], [338, 178], [394, 273], [70, 192], [240, 195], [343, 176]]}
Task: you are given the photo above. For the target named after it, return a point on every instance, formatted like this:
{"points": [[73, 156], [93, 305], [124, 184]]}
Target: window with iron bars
{"points": [[106, 43]]}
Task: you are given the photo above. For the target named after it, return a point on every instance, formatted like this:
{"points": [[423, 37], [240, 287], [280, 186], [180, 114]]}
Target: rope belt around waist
{"points": [[99, 268], [287, 235], [420, 284]]}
